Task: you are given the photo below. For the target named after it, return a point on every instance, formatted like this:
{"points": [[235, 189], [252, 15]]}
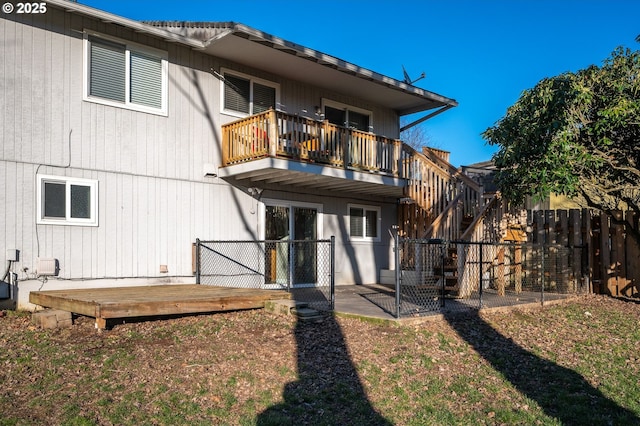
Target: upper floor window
{"points": [[126, 75], [347, 116], [243, 95], [67, 201]]}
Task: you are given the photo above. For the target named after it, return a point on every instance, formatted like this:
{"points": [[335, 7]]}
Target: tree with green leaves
{"points": [[576, 134]]}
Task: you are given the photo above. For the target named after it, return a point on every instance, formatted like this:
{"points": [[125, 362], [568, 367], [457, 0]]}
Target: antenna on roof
{"points": [[408, 80]]}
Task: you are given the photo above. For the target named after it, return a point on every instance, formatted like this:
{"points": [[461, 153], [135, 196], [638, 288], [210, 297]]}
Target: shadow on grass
{"points": [[328, 391], [560, 392]]}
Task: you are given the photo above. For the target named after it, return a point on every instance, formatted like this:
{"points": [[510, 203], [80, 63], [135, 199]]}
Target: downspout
{"points": [[426, 117]]}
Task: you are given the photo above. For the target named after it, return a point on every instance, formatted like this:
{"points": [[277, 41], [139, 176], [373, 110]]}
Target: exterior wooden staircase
{"points": [[443, 204], [440, 201]]}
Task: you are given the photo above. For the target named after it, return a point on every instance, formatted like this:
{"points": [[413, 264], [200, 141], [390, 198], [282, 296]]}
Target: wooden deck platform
{"points": [[148, 301]]}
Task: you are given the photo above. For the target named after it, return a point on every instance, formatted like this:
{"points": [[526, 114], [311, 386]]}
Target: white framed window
{"points": [[347, 116], [67, 201], [125, 74], [244, 95], [364, 222]]}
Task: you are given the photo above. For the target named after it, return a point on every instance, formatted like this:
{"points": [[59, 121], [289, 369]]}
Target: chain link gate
{"points": [[437, 275], [305, 268]]}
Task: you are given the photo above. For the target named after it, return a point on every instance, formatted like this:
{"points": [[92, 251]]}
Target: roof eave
{"points": [[422, 99], [137, 26], [435, 100]]}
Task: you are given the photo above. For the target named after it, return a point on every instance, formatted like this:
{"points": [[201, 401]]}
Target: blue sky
{"points": [[481, 53]]}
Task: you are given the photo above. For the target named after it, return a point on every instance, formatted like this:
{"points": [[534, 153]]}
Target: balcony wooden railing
{"points": [[443, 200], [277, 134]]}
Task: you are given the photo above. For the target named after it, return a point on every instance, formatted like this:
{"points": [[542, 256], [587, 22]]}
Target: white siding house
{"points": [[112, 155]]}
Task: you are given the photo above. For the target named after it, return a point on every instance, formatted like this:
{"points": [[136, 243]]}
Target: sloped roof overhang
{"points": [[251, 47]]}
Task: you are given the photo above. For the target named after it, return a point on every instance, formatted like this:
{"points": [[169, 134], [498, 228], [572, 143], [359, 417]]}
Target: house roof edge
{"points": [[167, 30]]}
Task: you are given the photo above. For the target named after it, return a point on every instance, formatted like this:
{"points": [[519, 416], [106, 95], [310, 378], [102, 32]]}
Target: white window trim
{"points": [[252, 80], [68, 181], [343, 106], [163, 55], [365, 208]]}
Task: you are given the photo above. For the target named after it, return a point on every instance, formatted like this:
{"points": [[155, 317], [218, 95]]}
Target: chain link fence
{"points": [[436, 275], [305, 268]]}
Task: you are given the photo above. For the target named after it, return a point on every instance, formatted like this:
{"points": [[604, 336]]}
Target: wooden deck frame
{"points": [[149, 301]]}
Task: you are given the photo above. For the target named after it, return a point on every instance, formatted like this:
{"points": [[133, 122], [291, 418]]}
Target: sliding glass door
{"points": [[289, 261], [305, 229]]}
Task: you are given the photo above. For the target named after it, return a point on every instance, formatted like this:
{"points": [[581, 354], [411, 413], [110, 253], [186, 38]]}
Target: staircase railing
{"points": [[492, 222], [441, 197]]}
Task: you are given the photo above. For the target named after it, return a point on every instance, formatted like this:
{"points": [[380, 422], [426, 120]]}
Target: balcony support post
{"points": [[273, 133]]}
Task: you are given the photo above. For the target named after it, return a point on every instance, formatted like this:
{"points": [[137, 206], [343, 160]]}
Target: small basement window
{"points": [[364, 222], [67, 201]]}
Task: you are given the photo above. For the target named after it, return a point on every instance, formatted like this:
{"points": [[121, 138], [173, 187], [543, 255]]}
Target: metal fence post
{"points": [[290, 265], [481, 281], [396, 241], [542, 275], [444, 248], [333, 272], [197, 260]]}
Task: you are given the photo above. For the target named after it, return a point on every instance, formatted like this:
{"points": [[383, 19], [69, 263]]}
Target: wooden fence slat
{"points": [[575, 243], [632, 250], [552, 238], [617, 261], [603, 255], [560, 267], [538, 220], [596, 260], [550, 226], [587, 251]]}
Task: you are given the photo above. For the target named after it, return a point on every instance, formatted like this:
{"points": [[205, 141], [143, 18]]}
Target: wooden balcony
{"points": [[282, 149], [279, 135]]}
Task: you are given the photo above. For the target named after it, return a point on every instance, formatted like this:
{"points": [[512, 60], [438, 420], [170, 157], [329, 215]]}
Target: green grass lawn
{"points": [[574, 363]]}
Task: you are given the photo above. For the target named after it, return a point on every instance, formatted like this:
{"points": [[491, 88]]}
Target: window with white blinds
{"points": [[125, 75], [146, 80], [244, 95], [364, 222], [108, 71]]}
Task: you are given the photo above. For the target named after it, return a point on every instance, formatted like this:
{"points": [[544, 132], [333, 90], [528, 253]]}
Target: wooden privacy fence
{"points": [[605, 245]]}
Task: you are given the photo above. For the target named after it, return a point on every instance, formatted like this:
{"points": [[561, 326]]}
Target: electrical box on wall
{"points": [[13, 255]]}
